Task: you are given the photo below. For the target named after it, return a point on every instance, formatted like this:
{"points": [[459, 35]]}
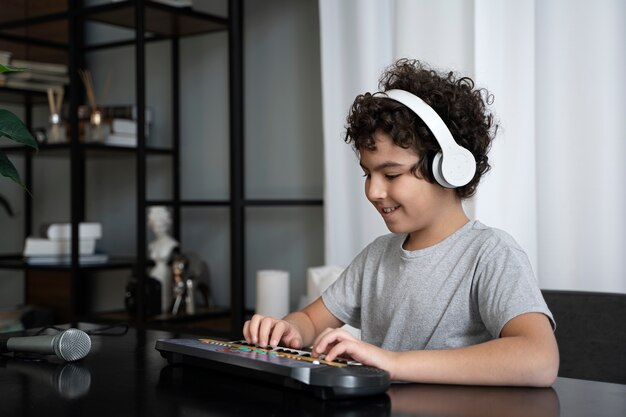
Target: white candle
{"points": [[272, 293]]}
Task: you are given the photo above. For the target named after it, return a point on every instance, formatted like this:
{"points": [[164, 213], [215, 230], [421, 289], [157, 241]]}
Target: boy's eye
{"points": [[391, 176], [366, 175]]}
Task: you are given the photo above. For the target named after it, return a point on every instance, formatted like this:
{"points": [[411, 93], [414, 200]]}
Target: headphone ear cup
{"points": [[437, 171], [458, 167]]}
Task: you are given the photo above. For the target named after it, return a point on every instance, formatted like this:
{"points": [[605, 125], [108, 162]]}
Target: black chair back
{"points": [[591, 333]]}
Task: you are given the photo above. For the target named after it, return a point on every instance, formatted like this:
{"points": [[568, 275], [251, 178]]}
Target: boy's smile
{"points": [[408, 204]]}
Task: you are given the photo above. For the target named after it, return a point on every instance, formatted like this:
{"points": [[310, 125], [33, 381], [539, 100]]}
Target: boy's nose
{"points": [[375, 190]]}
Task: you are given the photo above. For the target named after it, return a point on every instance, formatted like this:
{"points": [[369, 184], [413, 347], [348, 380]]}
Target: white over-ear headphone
{"points": [[454, 166]]}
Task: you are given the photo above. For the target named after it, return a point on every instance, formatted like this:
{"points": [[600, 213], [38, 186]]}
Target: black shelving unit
{"points": [[151, 21]]}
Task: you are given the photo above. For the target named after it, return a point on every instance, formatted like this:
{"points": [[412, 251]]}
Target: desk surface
{"points": [[126, 376]]}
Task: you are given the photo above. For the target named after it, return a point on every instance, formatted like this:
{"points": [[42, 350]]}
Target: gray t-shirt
{"points": [[459, 292]]}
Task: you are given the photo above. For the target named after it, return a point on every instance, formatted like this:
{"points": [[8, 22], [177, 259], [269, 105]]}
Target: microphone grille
{"points": [[72, 344]]}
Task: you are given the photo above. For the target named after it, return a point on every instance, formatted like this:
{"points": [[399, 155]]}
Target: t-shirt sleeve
{"points": [[343, 297], [508, 288]]}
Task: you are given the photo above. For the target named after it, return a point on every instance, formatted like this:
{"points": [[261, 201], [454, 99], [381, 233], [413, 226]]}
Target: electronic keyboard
{"points": [[290, 368]]}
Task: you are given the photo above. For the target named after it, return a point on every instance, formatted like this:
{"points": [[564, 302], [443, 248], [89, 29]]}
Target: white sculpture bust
{"points": [[160, 250]]}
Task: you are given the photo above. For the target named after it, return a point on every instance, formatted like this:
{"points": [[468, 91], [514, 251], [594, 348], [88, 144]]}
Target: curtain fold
{"points": [[504, 59]]}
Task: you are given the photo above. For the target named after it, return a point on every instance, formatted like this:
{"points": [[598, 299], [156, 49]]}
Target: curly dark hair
{"points": [[462, 108]]}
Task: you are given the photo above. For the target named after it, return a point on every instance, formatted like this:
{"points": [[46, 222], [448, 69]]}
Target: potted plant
{"points": [[13, 129]]}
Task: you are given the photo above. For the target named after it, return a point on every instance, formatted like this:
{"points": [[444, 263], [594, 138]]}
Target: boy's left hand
{"points": [[338, 342]]}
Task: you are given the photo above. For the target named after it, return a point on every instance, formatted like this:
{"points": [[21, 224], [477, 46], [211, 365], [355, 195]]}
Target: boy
{"points": [[441, 299]]}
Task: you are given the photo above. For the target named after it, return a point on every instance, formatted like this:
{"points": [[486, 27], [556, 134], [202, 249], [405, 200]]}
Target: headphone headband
{"points": [[428, 115], [454, 166]]}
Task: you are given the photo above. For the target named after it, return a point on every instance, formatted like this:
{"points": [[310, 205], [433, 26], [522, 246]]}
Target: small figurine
{"points": [[160, 250], [183, 286]]}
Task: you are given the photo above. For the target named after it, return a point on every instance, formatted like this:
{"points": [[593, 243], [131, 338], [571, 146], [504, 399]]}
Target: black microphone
{"points": [[69, 345]]}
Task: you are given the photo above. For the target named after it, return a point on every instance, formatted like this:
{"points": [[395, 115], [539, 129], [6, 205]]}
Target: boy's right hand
{"points": [[264, 331]]}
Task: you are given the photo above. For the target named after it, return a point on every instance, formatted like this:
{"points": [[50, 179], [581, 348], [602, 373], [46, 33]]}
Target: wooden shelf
{"points": [[161, 20], [48, 27]]}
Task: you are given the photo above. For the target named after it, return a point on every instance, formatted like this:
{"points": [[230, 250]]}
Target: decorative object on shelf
{"points": [[14, 129], [41, 246], [184, 286], [56, 127], [152, 297], [58, 231], [198, 270], [128, 112], [119, 121], [124, 132], [55, 247], [191, 282], [272, 293], [97, 130], [160, 251]]}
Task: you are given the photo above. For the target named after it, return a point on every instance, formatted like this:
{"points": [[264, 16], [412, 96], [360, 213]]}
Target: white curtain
{"points": [[356, 43], [558, 182]]}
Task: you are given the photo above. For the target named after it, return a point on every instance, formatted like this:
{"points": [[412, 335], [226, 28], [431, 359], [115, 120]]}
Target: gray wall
{"points": [[283, 157]]}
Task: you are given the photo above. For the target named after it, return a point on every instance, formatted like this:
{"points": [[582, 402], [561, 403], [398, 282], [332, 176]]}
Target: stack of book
{"points": [[56, 245], [38, 76], [123, 133]]}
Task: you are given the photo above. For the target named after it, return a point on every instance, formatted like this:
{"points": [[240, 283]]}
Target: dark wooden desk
{"points": [[126, 376]]}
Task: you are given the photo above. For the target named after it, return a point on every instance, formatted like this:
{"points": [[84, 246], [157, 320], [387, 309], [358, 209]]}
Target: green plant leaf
{"points": [[5, 203], [8, 170], [4, 68], [13, 128]]}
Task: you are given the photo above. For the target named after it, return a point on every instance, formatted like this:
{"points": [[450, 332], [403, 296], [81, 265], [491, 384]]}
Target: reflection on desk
{"points": [[229, 395], [125, 376], [450, 400], [67, 380]]}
